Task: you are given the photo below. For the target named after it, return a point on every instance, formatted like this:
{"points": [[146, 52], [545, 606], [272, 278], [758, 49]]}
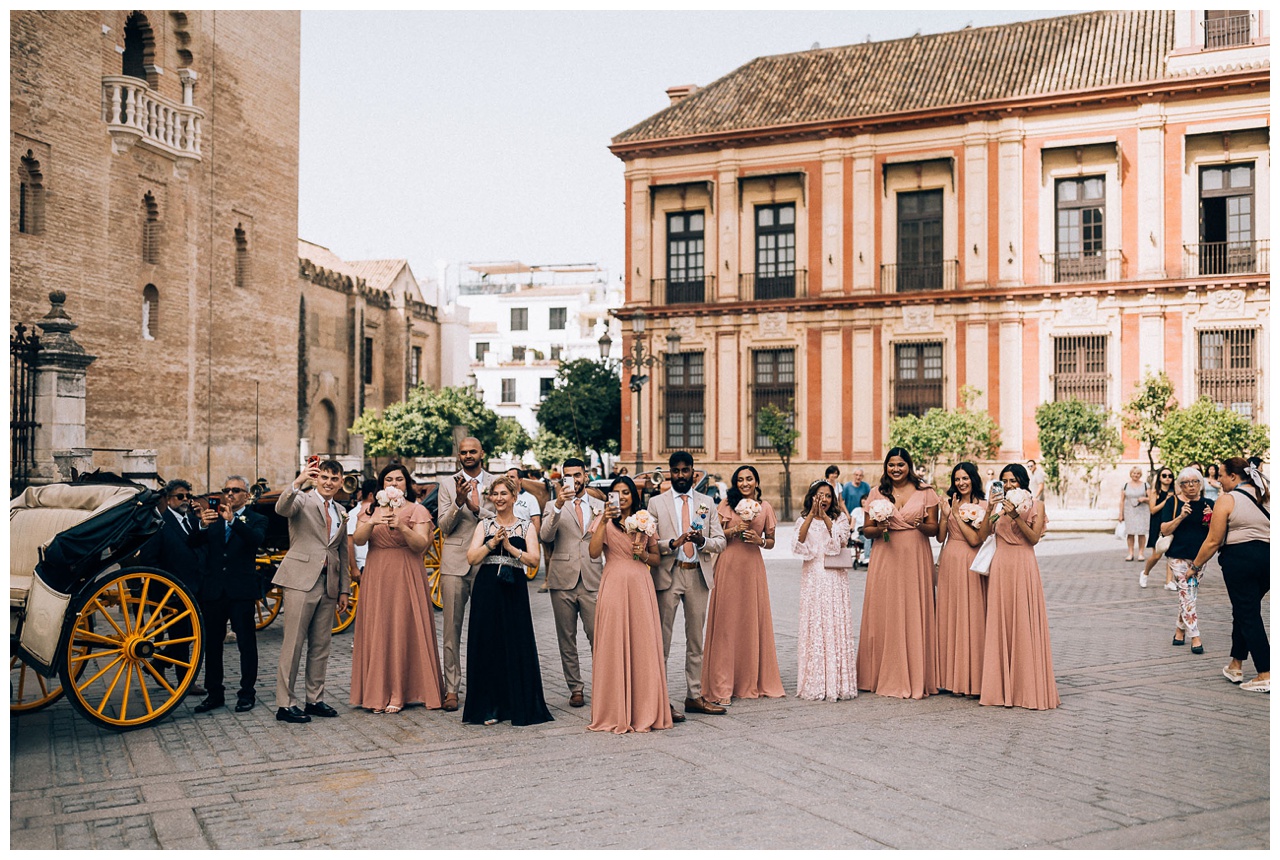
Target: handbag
{"points": [[842, 559], [982, 561], [1120, 529], [1162, 545]]}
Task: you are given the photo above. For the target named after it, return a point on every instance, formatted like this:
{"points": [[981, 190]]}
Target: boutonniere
{"points": [[242, 518]]}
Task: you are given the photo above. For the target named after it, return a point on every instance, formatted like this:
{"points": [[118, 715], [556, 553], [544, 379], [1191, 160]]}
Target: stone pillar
{"points": [[61, 368], [140, 467]]}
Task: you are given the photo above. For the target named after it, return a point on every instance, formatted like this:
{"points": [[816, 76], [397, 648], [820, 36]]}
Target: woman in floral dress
{"points": [[827, 656]]}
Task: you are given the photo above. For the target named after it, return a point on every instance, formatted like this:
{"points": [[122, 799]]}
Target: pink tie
{"points": [[686, 551], [577, 506], [475, 492], [328, 522]]}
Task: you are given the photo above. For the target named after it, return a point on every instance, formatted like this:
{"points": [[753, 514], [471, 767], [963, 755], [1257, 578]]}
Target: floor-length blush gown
{"points": [[897, 651], [739, 658], [962, 612], [628, 674], [1017, 665], [825, 644], [395, 661]]}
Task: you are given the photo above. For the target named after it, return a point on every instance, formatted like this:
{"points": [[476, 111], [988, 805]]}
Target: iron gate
{"points": [[23, 348]]}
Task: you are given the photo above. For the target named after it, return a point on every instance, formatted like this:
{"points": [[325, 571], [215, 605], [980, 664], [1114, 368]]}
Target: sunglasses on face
{"points": [[227, 490], [180, 496]]}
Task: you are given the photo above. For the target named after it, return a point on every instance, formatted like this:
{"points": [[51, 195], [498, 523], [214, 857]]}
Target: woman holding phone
{"points": [[629, 674]]}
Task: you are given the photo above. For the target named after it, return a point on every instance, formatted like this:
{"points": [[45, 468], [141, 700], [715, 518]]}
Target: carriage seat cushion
{"points": [[40, 513]]}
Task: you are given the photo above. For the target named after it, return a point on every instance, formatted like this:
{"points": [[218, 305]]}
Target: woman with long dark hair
{"points": [[739, 658], [1161, 501], [962, 594], [1017, 666], [898, 652], [395, 662], [825, 643], [628, 674], [1240, 532]]}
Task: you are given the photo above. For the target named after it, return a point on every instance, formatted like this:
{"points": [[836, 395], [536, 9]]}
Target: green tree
{"points": [[422, 425], [951, 436], [550, 450], [779, 428], [378, 441], [1076, 439], [585, 406], [1206, 433], [513, 439], [1144, 416]]}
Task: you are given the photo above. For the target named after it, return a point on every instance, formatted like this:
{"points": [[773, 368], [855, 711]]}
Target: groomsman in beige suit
{"points": [[573, 576], [685, 572], [316, 580], [462, 503]]}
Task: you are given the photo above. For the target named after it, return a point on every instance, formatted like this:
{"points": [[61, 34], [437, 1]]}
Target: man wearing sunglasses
{"points": [[230, 535]]}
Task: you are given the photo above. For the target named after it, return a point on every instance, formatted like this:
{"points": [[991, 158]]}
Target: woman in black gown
{"points": [[504, 680]]}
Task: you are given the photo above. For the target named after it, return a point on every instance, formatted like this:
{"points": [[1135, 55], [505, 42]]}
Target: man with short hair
{"points": [[1037, 481], [316, 582], [572, 575], [854, 491], [462, 503], [174, 548], [230, 536], [689, 533]]}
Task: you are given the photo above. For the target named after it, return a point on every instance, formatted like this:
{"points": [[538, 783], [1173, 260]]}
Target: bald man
{"points": [[462, 503]]}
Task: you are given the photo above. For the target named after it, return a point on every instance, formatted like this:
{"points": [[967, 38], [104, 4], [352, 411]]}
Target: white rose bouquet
{"points": [[1021, 499], [641, 522], [971, 513], [880, 511], [748, 509], [390, 497]]}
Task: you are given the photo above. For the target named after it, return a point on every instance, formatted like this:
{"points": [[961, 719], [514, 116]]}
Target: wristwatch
{"points": [[1196, 568]]}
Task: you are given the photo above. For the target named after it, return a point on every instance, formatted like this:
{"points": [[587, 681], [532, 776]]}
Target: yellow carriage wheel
{"points": [[431, 560], [268, 607], [28, 689], [342, 619], [134, 648]]}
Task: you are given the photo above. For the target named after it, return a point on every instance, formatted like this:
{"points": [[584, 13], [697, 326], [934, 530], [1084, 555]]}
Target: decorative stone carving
{"points": [[1078, 310], [1225, 303], [917, 318], [773, 324], [685, 327]]}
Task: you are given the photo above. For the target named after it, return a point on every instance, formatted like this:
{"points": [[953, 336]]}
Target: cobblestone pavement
{"points": [[1151, 748]]}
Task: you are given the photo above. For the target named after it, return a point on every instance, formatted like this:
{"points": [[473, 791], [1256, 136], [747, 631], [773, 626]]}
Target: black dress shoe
{"points": [[243, 705], [209, 704], [319, 709], [292, 715]]}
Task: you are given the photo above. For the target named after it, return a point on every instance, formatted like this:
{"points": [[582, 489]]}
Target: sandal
{"points": [[491, 722], [1257, 685], [393, 709], [1235, 676], [377, 710]]}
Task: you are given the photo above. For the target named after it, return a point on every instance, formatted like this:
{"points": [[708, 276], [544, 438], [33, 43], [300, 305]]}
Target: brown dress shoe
{"points": [[702, 706], [676, 716], [450, 702], [576, 700]]}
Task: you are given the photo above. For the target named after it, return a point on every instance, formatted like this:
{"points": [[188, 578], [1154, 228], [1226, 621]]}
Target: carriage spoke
{"points": [[111, 688], [102, 610], [159, 612], [142, 686], [172, 621]]}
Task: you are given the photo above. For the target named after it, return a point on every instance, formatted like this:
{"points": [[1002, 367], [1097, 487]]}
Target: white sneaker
{"points": [[1142, 581], [1171, 586], [1257, 685]]}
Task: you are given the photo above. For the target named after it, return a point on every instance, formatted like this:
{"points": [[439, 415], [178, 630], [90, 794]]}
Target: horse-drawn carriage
{"points": [[123, 643]]}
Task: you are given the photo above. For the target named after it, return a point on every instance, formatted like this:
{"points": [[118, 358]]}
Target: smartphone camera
{"points": [[615, 500]]}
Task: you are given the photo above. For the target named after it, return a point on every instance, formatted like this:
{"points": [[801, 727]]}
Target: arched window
{"points": [[30, 196], [150, 311], [329, 418], [139, 57], [150, 229], [242, 257]]}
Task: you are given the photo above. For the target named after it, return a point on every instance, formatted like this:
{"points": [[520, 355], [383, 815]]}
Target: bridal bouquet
{"points": [[641, 522], [880, 511], [971, 513], [1021, 499], [390, 497], [701, 514], [748, 509]]}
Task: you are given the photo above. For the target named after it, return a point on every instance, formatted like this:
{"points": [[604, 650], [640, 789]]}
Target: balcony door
{"points": [[919, 241], [1080, 233], [1226, 220], [775, 251]]}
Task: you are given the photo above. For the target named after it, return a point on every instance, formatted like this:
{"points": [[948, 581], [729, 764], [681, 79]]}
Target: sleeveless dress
{"points": [[628, 673], [395, 661], [897, 648], [828, 663], [739, 658], [1137, 513], [504, 680], [962, 613], [1017, 666]]}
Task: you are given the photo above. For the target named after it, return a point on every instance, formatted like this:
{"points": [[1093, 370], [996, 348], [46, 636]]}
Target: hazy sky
{"points": [[468, 136]]}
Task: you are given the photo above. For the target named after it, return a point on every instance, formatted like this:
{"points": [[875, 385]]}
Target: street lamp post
{"points": [[638, 358]]}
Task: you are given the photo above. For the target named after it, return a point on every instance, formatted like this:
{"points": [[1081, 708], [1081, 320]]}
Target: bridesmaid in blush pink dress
{"points": [[738, 654], [897, 651], [628, 672], [828, 664], [1017, 664], [962, 594]]}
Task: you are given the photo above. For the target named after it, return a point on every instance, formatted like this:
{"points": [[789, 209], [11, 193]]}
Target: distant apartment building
{"points": [[1039, 210], [525, 319]]}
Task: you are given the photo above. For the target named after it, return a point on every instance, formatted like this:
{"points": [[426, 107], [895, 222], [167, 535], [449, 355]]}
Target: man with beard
{"points": [[173, 549]]}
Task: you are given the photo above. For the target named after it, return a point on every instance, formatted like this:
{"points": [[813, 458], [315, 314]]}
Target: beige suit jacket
{"points": [[570, 556], [310, 548], [663, 507], [458, 523]]}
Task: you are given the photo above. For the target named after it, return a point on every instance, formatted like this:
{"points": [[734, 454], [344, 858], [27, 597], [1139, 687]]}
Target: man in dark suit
{"points": [[173, 548], [230, 537]]}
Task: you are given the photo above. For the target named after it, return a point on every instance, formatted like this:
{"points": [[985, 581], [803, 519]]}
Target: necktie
{"points": [[328, 522], [226, 534], [577, 507], [686, 551], [186, 529], [475, 492]]}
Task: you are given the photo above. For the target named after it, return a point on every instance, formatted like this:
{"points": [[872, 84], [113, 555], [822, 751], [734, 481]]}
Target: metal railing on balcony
{"points": [[919, 277], [757, 287], [1075, 267], [1226, 32], [683, 291], [134, 113], [1226, 258]]}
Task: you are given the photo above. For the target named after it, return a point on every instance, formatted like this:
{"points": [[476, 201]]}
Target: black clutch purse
{"points": [[509, 575]]}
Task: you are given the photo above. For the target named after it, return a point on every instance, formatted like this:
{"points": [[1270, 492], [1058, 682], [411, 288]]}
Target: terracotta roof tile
{"points": [[1025, 59], [378, 274]]}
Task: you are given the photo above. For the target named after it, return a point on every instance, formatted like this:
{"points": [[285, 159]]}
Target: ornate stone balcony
{"points": [[134, 113]]}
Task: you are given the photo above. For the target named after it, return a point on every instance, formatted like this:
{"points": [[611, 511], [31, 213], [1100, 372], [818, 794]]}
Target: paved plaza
{"points": [[1151, 748]]}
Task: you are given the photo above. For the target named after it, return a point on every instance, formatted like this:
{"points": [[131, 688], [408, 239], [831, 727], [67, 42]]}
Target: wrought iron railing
{"points": [[683, 291], [1075, 267], [760, 287], [1226, 258], [23, 349], [919, 277], [1226, 32]]}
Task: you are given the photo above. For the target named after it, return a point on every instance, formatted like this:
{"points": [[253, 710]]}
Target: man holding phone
{"points": [[572, 575]]}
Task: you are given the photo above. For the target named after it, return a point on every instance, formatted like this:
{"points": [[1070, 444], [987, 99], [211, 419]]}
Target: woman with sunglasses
{"points": [[1188, 529], [1161, 502]]}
